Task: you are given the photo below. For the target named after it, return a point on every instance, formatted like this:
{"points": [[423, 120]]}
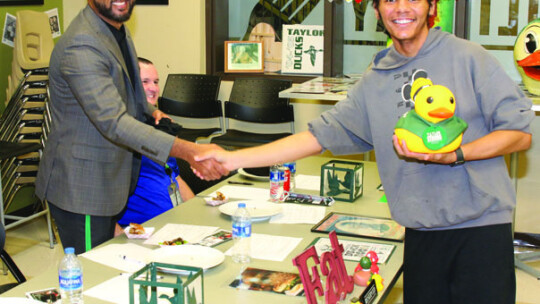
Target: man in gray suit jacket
{"points": [[97, 104]]}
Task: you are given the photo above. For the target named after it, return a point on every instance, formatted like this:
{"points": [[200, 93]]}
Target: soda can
{"points": [[292, 178], [286, 179]]}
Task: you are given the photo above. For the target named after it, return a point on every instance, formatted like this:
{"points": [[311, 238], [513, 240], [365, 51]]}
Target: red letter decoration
{"points": [[338, 282], [347, 283], [310, 285], [333, 281]]}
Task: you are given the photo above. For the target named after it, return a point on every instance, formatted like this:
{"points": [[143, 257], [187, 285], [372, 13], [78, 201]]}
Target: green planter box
{"points": [[342, 180], [145, 285]]}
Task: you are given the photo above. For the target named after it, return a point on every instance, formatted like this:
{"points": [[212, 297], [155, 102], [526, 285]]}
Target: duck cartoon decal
{"points": [[527, 56], [431, 127]]}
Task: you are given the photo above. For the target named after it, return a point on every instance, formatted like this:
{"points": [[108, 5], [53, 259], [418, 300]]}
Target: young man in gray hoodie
{"points": [[457, 207]]}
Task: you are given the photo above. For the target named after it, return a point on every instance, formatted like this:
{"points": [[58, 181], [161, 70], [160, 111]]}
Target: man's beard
{"points": [[108, 13]]}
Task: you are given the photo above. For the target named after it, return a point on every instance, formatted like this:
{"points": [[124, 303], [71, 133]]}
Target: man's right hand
{"points": [[208, 169]]}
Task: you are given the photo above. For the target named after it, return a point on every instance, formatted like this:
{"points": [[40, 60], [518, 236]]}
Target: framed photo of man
{"points": [[244, 57]]}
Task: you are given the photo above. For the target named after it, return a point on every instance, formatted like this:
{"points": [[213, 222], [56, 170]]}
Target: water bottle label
{"points": [[281, 174], [71, 283], [274, 176], [292, 167], [241, 231]]}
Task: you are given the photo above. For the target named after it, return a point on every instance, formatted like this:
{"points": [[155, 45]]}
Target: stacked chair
{"points": [[25, 122], [31, 53]]}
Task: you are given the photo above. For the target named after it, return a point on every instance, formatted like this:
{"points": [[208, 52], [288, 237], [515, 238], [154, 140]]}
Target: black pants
{"points": [[81, 231], [472, 265]]}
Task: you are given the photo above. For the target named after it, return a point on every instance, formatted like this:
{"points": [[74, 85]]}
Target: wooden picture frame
{"points": [[21, 2], [244, 57], [152, 2]]}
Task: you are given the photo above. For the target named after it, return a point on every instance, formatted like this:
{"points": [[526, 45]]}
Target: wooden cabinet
{"points": [[217, 32]]}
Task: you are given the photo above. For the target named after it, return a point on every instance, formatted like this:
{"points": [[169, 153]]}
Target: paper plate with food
{"points": [[217, 199], [136, 231], [174, 242]]}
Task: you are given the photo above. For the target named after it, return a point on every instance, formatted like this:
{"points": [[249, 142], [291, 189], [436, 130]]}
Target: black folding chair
{"points": [[257, 101], [193, 97]]}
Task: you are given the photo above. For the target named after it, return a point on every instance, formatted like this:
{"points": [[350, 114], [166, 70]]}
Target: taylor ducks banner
{"points": [[303, 49]]}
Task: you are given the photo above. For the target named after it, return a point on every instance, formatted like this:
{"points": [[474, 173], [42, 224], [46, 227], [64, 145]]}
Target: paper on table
{"points": [[119, 287], [308, 182], [243, 192], [270, 247], [126, 257], [298, 214], [190, 233]]}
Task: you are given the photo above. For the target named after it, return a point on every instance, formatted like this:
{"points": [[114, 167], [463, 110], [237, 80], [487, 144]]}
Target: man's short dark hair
{"points": [[144, 60]]}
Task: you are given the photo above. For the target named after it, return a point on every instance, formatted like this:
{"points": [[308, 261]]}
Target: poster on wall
{"points": [[303, 49], [54, 22], [8, 34]]}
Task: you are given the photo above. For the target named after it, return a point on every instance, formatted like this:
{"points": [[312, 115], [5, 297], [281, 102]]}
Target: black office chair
{"points": [[193, 96], [256, 101]]}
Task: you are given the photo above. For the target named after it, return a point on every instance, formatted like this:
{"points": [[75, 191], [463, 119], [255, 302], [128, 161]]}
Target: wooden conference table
{"points": [[217, 279]]}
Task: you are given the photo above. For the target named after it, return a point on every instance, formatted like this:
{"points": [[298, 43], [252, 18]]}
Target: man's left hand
{"points": [[440, 158], [158, 115]]}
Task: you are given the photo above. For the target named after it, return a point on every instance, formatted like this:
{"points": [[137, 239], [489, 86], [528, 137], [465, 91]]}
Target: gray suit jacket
{"points": [[88, 159]]}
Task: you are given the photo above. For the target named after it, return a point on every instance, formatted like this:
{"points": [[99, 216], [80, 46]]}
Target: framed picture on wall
{"points": [[152, 2], [20, 2], [244, 57]]}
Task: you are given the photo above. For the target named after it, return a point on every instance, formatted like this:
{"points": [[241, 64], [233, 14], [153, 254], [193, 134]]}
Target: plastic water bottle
{"points": [[70, 277], [241, 231], [276, 182], [292, 177]]}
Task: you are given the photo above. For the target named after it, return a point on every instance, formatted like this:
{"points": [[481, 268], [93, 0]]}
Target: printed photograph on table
{"points": [[355, 250], [244, 57], [286, 283], [361, 226], [221, 236], [49, 295]]}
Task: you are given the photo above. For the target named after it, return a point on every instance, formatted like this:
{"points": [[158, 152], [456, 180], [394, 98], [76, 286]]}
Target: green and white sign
{"points": [[303, 47]]}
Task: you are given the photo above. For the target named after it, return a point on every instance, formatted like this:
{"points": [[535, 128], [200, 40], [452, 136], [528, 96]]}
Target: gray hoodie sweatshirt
{"points": [[428, 195]]}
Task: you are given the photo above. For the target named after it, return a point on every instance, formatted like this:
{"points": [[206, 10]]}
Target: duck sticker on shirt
{"points": [[431, 127]]}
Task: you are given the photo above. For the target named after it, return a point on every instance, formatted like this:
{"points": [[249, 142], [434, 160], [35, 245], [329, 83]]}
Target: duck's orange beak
{"points": [[441, 113], [531, 65]]}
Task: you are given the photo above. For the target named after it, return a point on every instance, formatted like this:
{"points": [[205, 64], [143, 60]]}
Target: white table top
{"points": [[321, 88]]}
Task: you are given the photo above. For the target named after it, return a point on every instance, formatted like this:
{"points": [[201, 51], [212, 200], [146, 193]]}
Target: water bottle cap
{"points": [[241, 205], [69, 250]]}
